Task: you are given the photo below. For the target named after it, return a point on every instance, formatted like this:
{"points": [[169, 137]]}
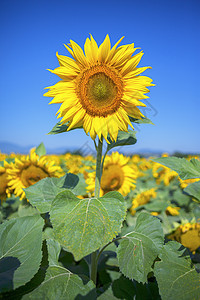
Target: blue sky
{"points": [[167, 31]]}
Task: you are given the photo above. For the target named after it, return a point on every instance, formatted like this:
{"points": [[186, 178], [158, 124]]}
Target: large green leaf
{"points": [[186, 169], [42, 193], [60, 284], [20, 250], [193, 189], [175, 276], [138, 249], [84, 225], [123, 139]]}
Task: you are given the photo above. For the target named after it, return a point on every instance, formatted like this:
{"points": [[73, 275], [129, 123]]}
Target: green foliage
{"points": [[54, 249], [175, 276], [40, 150], [186, 169], [123, 288], [123, 139], [84, 225], [194, 190], [20, 251], [60, 284], [139, 248], [143, 120], [75, 228], [60, 128], [42, 193]]}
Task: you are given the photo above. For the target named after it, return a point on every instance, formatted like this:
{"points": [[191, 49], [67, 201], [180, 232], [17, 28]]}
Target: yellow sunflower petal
{"points": [[78, 54], [104, 49]]}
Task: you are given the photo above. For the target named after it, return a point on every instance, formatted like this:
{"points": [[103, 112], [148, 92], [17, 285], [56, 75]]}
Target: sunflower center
{"points": [[112, 178], [100, 90], [32, 174]]}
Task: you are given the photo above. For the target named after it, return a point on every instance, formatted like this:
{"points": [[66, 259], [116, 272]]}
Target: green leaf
{"points": [[186, 169], [84, 225], [175, 276], [53, 252], [123, 139], [156, 205], [138, 249], [26, 210], [107, 295], [80, 188], [60, 128], [42, 193], [123, 288], [60, 284], [40, 150], [20, 251], [193, 189], [144, 120], [180, 198]]}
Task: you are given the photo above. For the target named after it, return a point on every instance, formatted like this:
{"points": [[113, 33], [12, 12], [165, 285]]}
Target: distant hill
{"points": [[8, 148]]}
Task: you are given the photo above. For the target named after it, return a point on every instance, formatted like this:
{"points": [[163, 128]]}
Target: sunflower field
{"points": [[154, 261], [103, 226]]}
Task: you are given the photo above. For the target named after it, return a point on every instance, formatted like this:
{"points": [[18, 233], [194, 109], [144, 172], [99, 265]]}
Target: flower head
{"points": [[188, 235], [100, 88], [142, 198], [4, 189], [116, 175], [28, 170]]}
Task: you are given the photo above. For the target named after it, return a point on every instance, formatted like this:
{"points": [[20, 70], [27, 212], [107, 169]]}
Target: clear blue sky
{"points": [[167, 32]]}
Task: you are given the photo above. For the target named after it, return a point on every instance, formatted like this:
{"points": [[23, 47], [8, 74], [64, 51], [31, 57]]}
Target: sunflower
{"points": [[172, 210], [142, 198], [162, 173], [4, 189], [186, 182], [188, 235], [28, 170], [116, 175], [100, 89]]}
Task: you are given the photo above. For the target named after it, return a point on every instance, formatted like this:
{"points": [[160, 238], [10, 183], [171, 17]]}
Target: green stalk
{"points": [[94, 255]]}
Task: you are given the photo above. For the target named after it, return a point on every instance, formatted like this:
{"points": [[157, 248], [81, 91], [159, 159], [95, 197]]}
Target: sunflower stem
{"points": [[98, 169], [94, 255]]}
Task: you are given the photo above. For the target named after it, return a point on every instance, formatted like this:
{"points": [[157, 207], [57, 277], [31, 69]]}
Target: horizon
{"points": [[87, 150]]}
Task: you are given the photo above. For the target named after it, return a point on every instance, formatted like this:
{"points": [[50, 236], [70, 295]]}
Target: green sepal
{"points": [[60, 128], [143, 120]]}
